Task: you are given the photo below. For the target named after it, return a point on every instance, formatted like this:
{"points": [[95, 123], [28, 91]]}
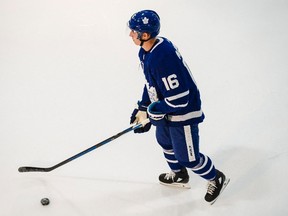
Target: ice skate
{"points": [[175, 179], [216, 187]]}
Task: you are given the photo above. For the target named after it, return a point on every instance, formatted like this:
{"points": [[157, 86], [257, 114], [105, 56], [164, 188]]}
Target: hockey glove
{"points": [[139, 116], [156, 117]]}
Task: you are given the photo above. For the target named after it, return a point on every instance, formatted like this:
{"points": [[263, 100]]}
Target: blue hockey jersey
{"points": [[170, 82]]}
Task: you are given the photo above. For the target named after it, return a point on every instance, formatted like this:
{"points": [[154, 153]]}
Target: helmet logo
{"points": [[145, 20]]}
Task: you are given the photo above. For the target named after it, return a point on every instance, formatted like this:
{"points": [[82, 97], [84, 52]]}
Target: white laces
{"points": [[211, 186], [170, 175]]}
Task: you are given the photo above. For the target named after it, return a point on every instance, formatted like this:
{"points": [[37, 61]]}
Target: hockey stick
{"points": [[48, 169]]}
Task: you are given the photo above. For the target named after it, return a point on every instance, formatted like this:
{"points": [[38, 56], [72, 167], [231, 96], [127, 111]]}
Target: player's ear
{"points": [[145, 36]]}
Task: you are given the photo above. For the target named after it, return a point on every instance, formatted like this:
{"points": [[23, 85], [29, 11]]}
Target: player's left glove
{"points": [[156, 117]]}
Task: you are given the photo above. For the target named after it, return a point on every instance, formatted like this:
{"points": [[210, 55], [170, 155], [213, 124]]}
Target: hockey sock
{"points": [[171, 160], [205, 168]]}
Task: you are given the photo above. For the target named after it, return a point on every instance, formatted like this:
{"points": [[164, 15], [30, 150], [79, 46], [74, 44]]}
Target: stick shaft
{"points": [[48, 169]]}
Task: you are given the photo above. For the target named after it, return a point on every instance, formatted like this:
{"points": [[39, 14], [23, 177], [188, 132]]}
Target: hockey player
{"points": [[171, 100]]}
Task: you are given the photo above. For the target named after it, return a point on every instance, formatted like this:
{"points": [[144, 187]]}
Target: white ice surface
{"points": [[69, 78]]}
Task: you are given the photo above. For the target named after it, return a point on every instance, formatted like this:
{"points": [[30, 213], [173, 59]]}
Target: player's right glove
{"points": [[156, 117], [139, 115]]}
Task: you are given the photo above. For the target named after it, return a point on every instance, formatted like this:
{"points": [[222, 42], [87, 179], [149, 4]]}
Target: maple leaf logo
{"points": [[145, 20]]}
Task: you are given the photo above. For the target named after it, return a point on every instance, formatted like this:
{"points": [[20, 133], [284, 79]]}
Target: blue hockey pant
{"points": [[181, 149]]}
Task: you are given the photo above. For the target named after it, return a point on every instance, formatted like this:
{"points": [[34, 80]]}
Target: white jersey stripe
{"points": [[175, 97], [187, 116]]}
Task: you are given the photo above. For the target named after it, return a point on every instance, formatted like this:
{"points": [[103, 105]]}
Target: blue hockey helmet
{"points": [[145, 21]]}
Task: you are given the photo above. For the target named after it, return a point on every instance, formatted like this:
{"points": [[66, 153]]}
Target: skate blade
{"points": [[177, 185], [224, 186]]}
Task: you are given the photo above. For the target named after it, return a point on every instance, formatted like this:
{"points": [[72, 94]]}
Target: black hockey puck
{"points": [[45, 201]]}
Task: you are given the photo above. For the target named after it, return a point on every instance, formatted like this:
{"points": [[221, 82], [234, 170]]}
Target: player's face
{"points": [[134, 35]]}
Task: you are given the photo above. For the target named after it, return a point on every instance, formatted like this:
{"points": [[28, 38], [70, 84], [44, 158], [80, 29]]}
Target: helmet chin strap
{"points": [[142, 41]]}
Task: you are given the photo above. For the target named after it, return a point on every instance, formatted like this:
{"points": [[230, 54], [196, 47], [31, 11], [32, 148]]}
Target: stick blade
{"points": [[33, 169]]}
